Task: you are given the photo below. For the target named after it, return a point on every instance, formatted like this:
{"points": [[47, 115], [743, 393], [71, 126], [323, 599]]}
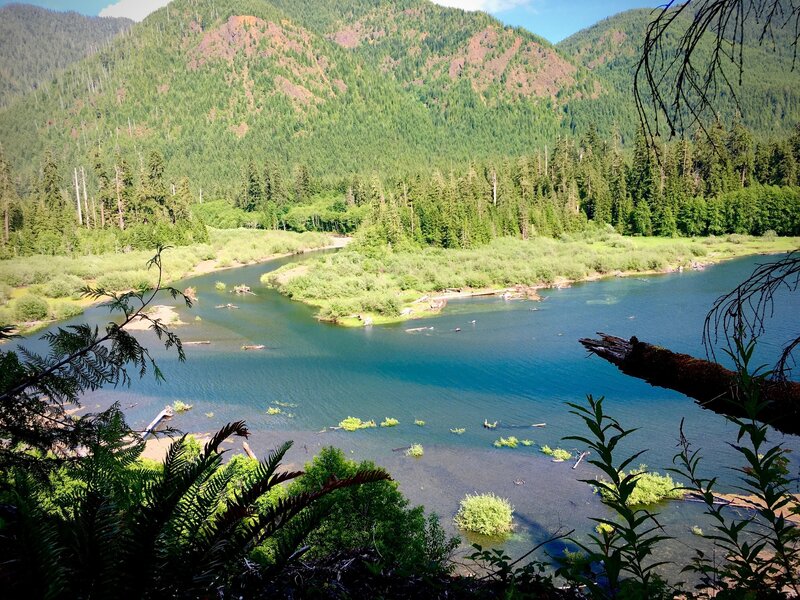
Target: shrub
{"points": [[354, 423], [415, 450], [651, 488], [220, 286], [65, 310], [390, 422], [63, 286], [375, 515], [31, 308], [487, 514]]}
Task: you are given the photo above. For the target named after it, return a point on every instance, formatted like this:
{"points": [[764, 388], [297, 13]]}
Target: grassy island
{"points": [[361, 285], [35, 290]]}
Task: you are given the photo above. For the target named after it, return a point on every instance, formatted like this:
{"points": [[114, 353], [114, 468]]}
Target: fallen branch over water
{"points": [[712, 385]]}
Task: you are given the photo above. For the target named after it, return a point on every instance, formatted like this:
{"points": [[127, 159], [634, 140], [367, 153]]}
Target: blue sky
{"points": [[551, 19]]}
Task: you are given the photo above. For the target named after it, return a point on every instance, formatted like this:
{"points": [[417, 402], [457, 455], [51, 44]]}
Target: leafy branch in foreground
{"points": [[129, 531], [761, 552], [624, 546], [35, 389]]}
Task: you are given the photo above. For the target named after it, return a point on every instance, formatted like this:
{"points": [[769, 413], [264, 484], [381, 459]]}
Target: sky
{"points": [[552, 19]]}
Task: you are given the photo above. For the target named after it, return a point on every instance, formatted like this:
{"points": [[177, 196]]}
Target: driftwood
{"points": [[249, 451], [198, 343], [713, 386], [163, 415], [253, 347], [580, 458]]}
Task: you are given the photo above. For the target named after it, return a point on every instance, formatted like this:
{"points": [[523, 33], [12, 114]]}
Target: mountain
{"points": [[768, 99], [36, 42], [340, 86]]}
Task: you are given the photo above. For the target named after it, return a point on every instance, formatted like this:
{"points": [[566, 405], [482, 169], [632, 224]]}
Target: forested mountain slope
{"points": [[340, 87], [36, 42], [768, 99]]}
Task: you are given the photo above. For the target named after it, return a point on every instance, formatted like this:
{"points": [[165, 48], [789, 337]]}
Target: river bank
{"points": [[355, 289], [52, 284]]}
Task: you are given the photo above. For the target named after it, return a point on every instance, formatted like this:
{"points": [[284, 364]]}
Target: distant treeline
{"points": [[116, 210], [717, 184]]}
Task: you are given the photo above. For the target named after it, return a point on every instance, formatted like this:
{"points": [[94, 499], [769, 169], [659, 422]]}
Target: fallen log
{"points": [[712, 385], [249, 451]]}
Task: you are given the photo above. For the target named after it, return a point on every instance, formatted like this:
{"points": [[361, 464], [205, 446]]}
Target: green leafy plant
{"points": [[558, 454], [509, 442], [419, 422], [761, 552], [354, 423], [650, 488], [220, 286], [487, 514], [178, 406], [390, 422], [274, 410], [625, 551], [415, 450]]}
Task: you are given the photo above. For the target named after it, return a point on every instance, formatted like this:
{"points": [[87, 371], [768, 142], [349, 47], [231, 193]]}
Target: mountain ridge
{"points": [[363, 86]]}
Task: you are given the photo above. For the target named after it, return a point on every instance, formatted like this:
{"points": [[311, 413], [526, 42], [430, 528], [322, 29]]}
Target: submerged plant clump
{"points": [[419, 422], [558, 454], [274, 410], [390, 422], [651, 488], [180, 407], [415, 450], [220, 286], [458, 430], [354, 423], [487, 514], [509, 442], [526, 442]]}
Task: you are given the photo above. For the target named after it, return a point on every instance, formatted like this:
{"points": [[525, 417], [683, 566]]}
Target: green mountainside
{"points": [[768, 100], [36, 42], [340, 87]]}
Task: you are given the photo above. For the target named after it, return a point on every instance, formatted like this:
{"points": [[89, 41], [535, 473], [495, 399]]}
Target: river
{"points": [[516, 362]]}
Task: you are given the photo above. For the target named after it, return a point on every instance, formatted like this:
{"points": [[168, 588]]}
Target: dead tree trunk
{"points": [[713, 386]]}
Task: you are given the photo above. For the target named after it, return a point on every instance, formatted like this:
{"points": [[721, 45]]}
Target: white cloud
{"points": [[490, 6], [132, 9]]}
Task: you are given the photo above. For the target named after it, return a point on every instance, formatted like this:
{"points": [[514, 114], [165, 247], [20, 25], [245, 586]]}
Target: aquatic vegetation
{"points": [[526, 442], [415, 450], [697, 531], [650, 488], [458, 430], [390, 422], [487, 514], [354, 423], [604, 528], [509, 442], [220, 286], [285, 404], [419, 422], [558, 454], [180, 407], [274, 410], [210, 415]]}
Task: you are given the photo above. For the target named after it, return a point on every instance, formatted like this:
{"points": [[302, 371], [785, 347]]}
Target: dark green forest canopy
{"points": [[346, 87], [36, 43]]}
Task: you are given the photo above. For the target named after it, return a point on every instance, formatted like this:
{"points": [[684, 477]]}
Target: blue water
{"points": [[517, 364]]}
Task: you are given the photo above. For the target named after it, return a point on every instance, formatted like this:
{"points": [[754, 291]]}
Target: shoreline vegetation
{"points": [[36, 291], [365, 285]]}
